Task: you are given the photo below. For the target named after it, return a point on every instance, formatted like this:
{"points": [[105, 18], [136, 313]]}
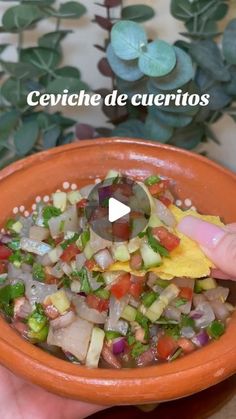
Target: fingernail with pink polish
{"points": [[206, 234]]}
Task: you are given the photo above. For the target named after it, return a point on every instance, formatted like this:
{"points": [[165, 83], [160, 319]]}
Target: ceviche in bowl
{"points": [[105, 303], [123, 311]]}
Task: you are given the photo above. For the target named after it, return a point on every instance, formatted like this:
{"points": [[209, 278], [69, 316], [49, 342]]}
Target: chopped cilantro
{"points": [[138, 349], [155, 244], [180, 302], [172, 330], [38, 272], [187, 321], [49, 212], [14, 244], [16, 258], [67, 242], [152, 180], [83, 275]]}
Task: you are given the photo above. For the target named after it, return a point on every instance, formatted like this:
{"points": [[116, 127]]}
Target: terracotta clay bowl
{"points": [[211, 189]]}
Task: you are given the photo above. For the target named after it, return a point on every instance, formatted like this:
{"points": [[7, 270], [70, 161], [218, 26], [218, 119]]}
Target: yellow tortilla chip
{"points": [[186, 260]]}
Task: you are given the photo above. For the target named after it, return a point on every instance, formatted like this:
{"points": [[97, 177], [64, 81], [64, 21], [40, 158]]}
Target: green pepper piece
{"points": [[38, 272], [152, 180], [148, 298], [40, 336], [216, 329], [110, 335], [102, 293], [138, 349]]}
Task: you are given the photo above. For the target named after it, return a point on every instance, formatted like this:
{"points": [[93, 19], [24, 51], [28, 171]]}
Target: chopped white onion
{"points": [[68, 220], [164, 214], [188, 283], [86, 312], [38, 233], [63, 321], [220, 293], [36, 292], [172, 313], [220, 309], [97, 243], [206, 312], [34, 246], [85, 191], [80, 260], [103, 258]]}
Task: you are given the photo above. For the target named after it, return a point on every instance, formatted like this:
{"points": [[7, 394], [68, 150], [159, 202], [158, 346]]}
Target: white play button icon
{"points": [[116, 210]]}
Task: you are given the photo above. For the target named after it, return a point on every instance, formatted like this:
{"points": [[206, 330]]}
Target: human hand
{"points": [[22, 400], [219, 244]]}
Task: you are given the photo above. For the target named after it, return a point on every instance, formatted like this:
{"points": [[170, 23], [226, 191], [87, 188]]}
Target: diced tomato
{"points": [[136, 289], [186, 292], [97, 303], [136, 261], [70, 252], [166, 201], [5, 252], [166, 346], [186, 344], [90, 264], [3, 267], [169, 240], [159, 187], [121, 231], [122, 286], [82, 203]]}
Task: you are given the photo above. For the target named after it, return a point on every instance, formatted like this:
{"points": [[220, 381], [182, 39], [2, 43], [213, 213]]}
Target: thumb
{"points": [[219, 244]]}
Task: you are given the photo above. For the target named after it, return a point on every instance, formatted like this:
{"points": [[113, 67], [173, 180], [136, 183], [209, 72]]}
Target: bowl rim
{"points": [[112, 386]]}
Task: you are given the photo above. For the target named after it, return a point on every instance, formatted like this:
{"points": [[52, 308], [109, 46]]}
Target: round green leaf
{"points": [[21, 17], [68, 71], [71, 84], [131, 128], [20, 70], [229, 43], [70, 10], [170, 119], [180, 75], [181, 9], [137, 13], [128, 39], [50, 137], [52, 39], [126, 70], [132, 88], [230, 87], [188, 137], [8, 121], [158, 59], [42, 58], [156, 131], [25, 137], [14, 92], [207, 55]]}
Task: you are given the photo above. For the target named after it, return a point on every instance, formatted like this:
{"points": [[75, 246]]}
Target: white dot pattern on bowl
{"points": [[187, 202], [66, 185], [73, 186], [34, 206], [22, 208], [38, 199], [46, 198], [26, 214], [178, 202], [15, 210]]}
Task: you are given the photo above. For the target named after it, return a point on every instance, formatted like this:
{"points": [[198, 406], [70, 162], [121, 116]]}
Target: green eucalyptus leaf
{"points": [[130, 128], [128, 39], [180, 75], [181, 9], [158, 59], [52, 39], [50, 137], [20, 70], [71, 84], [44, 59], [229, 42], [219, 99], [70, 10], [68, 71], [126, 70], [8, 121], [170, 119], [230, 87], [39, 2], [209, 30], [14, 92], [132, 88], [66, 138], [188, 137], [137, 13], [59, 119], [207, 55], [6, 157], [25, 137], [157, 131], [209, 9], [21, 17]]}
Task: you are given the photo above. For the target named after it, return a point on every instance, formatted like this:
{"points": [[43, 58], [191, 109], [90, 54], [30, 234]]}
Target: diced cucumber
{"points": [[74, 197], [134, 244], [59, 200], [120, 252], [154, 221], [112, 174], [155, 310], [60, 300], [206, 284], [129, 313], [150, 258], [95, 347], [54, 254], [110, 277], [17, 227]]}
